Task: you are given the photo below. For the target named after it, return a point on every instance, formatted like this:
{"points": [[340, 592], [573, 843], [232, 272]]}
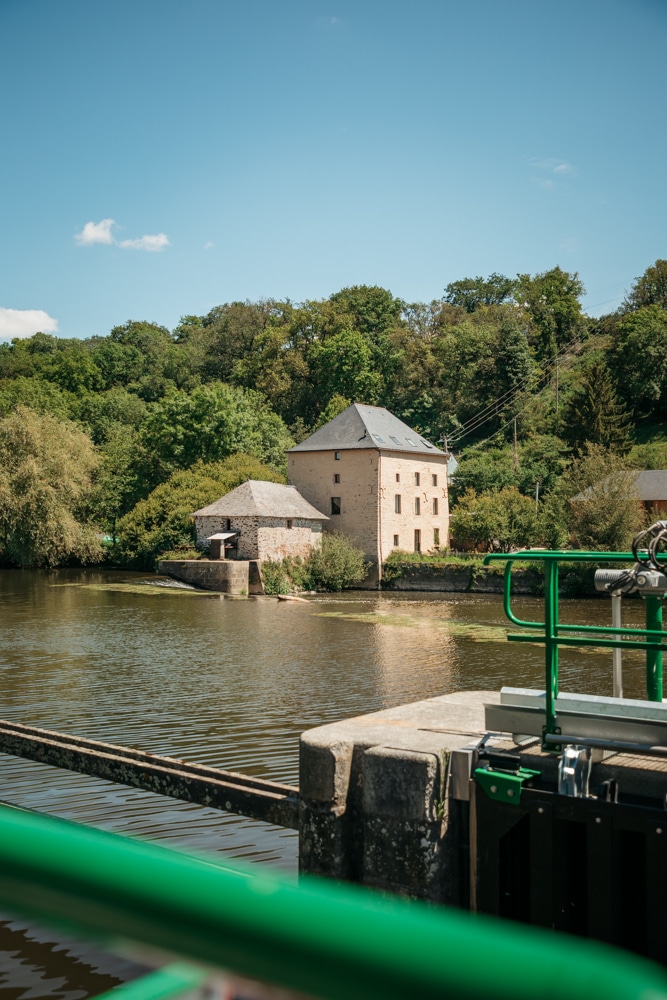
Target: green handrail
{"points": [[552, 631], [326, 940]]}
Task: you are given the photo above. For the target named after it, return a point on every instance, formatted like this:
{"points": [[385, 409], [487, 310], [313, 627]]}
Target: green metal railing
{"points": [[553, 633], [326, 940]]}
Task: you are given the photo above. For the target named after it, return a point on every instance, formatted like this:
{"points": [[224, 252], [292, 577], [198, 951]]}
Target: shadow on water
{"points": [[131, 659]]}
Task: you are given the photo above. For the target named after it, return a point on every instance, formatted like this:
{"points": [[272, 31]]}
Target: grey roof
{"points": [[256, 498], [650, 484], [367, 427]]}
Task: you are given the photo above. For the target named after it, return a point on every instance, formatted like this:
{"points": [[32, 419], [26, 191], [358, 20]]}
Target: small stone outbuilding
{"points": [[272, 521]]}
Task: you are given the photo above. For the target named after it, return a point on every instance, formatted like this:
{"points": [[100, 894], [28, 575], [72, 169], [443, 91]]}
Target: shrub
{"points": [[337, 564]]}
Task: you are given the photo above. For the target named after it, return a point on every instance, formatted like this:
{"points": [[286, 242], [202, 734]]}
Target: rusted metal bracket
{"points": [[206, 786]]}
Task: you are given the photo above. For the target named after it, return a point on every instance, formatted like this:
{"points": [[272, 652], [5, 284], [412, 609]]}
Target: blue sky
{"points": [[163, 157]]}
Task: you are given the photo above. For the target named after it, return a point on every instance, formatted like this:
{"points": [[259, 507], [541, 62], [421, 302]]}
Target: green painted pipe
{"points": [[172, 981], [326, 940], [654, 657]]}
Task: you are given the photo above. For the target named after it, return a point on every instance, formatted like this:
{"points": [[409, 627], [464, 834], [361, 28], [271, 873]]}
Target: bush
{"points": [[337, 564], [182, 552]]}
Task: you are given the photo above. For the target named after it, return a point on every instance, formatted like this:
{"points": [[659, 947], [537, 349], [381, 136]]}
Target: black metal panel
{"points": [[589, 867]]}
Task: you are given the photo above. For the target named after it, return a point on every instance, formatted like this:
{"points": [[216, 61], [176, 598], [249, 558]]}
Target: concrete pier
{"points": [[227, 576], [374, 796]]}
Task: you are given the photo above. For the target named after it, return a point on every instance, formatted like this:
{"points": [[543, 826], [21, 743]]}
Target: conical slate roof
{"points": [[256, 498], [367, 427]]}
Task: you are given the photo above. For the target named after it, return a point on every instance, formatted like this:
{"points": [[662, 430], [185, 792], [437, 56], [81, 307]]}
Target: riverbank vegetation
{"points": [[337, 564], [124, 435]]}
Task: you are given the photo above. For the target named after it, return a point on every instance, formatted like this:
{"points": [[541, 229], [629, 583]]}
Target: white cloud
{"points": [[151, 243], [554, 166], [209, 245], [100, 232], [334, 20], [95, 232], [25, 322]]}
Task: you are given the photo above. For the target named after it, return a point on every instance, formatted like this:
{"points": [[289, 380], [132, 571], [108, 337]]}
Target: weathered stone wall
{"points": [[374, 800], [459, 577], [367, 491], [263, 537], [313, 472], [393, 464], [226, 576]]}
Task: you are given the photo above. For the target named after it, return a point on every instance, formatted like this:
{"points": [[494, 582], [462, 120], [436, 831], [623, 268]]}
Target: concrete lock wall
{"points": [[224, 576], [374, 802]]}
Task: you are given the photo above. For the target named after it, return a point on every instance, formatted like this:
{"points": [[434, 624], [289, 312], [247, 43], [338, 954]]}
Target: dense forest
{"points": [[124, 435]]}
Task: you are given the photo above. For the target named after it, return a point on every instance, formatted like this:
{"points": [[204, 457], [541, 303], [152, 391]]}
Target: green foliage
{"points": [[46, 475], [595, 415], [337, 564], [163, 520], [208, 424], [650, 289], [501, 519], [552, 300], [604, 506], [276, 578], [471, 293], [187, 552], [37, 394], [638, 359], [541, 458]]}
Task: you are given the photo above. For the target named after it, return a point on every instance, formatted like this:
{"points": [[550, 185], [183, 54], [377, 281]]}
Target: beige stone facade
{"points": [[366, 483], [264, 537]]}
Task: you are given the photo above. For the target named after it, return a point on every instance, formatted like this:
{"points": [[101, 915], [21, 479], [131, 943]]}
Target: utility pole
{"points": [[516, 453]]}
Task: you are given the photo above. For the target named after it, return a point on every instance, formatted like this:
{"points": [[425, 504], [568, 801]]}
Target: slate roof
{"points": [[362, 426], [651, 485], [256, 498]]}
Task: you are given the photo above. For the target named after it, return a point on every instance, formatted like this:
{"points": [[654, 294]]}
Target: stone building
{"points": [[270, 521], [381, 483]]}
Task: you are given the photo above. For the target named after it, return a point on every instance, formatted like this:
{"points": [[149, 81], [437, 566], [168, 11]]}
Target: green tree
{"points": [[605, 510], [638, 359], [36, 394], [649, 290], [337, 564], [594, 413], [502, 519], [47, 469], [208, 424], [342, 365], [164, 519], [471, 293], [552, 300]]}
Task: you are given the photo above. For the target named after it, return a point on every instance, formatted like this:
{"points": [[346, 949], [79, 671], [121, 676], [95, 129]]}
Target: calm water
{"points": [[232, 683]]}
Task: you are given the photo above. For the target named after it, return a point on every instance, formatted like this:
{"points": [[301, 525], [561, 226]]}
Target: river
{"points": [[134, 659]]}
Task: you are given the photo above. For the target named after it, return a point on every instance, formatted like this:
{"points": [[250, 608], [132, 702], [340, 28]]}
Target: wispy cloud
{"points": [[154, 244], [209, 245], [335, 20], [95, 232], [100, 232], [569, 244], [25, 322], [551, 165]]}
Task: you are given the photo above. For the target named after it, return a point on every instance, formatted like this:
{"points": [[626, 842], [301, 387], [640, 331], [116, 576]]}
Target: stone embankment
{"points": [[459, 577]]}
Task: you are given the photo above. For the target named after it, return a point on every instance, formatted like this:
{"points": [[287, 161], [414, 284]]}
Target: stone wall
{"points": [[313, 472], [225, 576], [264, 537], [474, 579], [404, 524]]}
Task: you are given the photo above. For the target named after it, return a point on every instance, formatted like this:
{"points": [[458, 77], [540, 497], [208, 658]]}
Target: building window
{"points": [[289, 522], [418, 540], [435, 480], [416, 479], [397, 503], [335, 505], [395, 541], [337, 456], [398, 477], [435, 505], [336, 477], [436, 538], [417, 506]]}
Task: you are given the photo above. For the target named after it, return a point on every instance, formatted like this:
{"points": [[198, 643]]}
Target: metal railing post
{"points": [[551, 647], [653, 657]]}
